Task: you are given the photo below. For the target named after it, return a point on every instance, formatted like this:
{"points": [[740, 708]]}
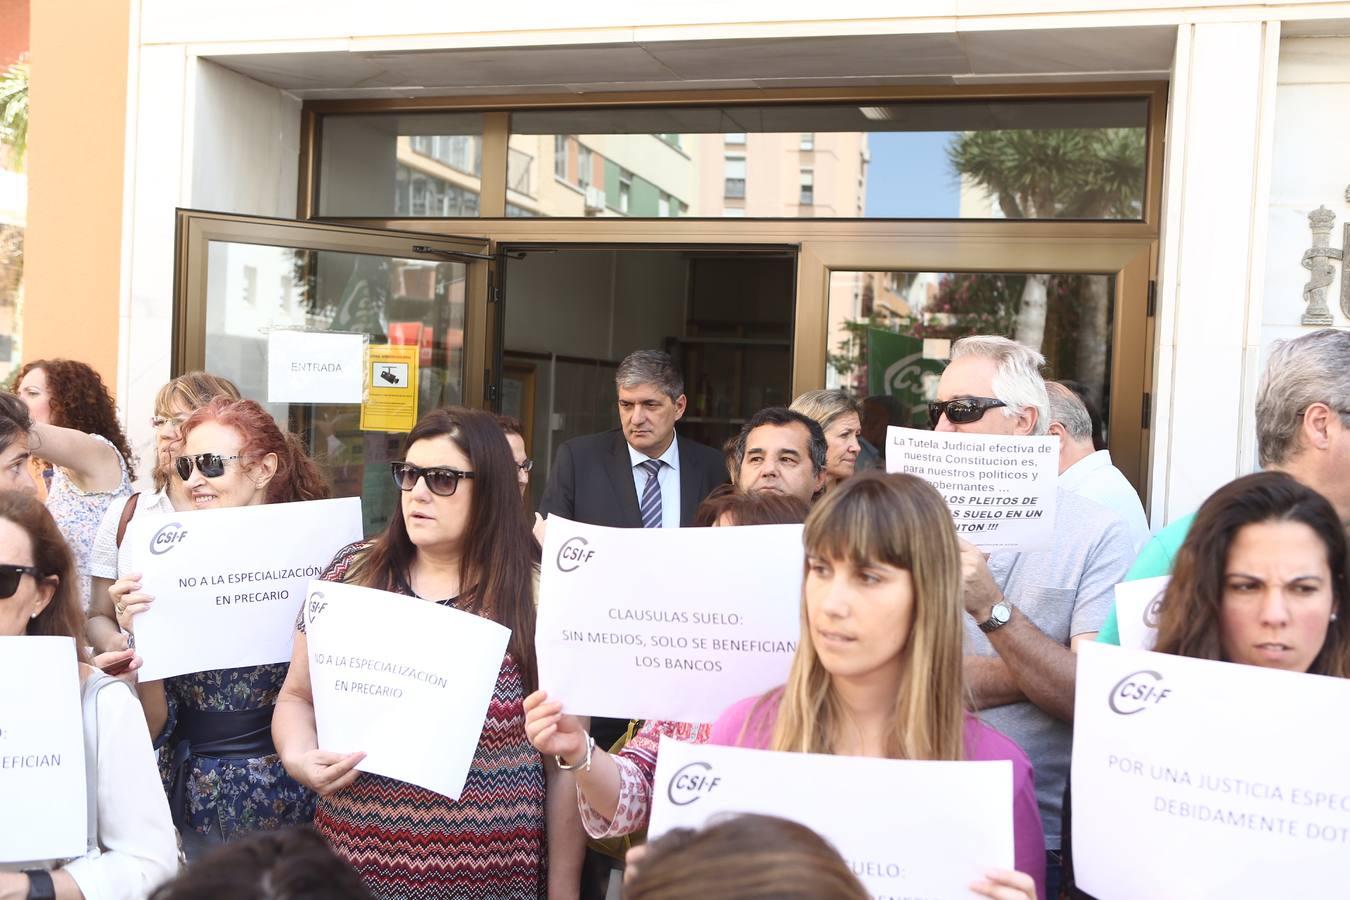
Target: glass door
{"points": [[344, 334]]}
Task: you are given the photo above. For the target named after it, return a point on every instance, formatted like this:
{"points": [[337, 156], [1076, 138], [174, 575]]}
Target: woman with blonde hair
{"points": [[840, 417], [879, 668]]}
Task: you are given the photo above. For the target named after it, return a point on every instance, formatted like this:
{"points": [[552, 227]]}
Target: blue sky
{"points": [[909, 176]]}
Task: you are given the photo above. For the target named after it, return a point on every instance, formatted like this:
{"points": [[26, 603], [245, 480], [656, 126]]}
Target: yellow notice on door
{"points": [[391, 398]]}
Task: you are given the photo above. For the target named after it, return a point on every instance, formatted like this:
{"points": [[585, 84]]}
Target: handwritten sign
{"points": [[711, 628], [954, 823], [1138, 604], [42, 774], [1219, 780], [1000, 489], [407, 681], [315, 366], [228, 583]]}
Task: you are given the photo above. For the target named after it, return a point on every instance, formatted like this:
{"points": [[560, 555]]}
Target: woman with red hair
{"points": [[213, 728]]}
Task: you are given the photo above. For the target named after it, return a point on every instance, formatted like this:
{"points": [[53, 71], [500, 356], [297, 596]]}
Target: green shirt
{"points": [[1154, 560]]}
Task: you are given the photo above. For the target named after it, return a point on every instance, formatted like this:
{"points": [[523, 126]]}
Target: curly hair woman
{"points": [[76, 434]]}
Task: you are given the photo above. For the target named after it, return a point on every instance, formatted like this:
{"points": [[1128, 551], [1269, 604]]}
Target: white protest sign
{"points": [[228, 583], [666, 623], [913, 828], [1137, 606], [42, 776], [405, 680], [1000, 489], [315, 367], [1202, 779]]}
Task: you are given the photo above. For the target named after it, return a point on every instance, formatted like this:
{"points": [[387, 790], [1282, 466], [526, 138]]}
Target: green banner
{"points": [[896, 367]]}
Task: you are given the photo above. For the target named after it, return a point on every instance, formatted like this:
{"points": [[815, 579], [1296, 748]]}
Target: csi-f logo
{"points": [[1153, 612], [692, 782], [573, 553], [167, 538], [315, 605], [1137, 692]]}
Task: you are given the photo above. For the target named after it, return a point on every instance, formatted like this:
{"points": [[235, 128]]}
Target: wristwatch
{"points": [[40, 886], [999, 616], [584, 765]]}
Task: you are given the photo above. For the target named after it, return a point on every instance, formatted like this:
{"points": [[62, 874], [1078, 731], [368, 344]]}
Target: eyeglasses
{"points": [[525, 466], [158, 422], [962, 410], [211, 465], [441, 480], [9, 578]]}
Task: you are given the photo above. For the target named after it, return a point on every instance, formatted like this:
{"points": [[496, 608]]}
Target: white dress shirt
{"points": [[1095, 478], [668, 479]]}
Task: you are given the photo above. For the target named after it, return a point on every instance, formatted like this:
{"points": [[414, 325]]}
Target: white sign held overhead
{"points": [[228, 583], [406, 681], [1000, 488], [1138, 605], [709, 629], [42, 774], [913, 829], [315, 367], [1207, 780]]}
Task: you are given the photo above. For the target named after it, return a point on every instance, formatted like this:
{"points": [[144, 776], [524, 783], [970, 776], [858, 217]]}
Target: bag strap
{"points": [[93, 685], [127, 512]]}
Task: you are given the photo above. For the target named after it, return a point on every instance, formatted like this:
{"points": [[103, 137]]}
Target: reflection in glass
{"points": [[890, 332], [253, 288]]}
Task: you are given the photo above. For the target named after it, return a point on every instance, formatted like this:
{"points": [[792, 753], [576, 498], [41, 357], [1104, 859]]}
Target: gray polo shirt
{"points": [[1065, 592]]}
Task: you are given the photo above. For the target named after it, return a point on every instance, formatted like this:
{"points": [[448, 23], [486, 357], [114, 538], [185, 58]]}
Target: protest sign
{"points": [[228, 583], [1000, 488], [1138, 604], [666, 623], [914, 828], [1202, 779], [315, 366], [405, 680], [42, 775]]}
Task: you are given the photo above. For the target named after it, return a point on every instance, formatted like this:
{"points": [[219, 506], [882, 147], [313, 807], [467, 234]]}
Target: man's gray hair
{"points": [[650, 367], [1017, 381], [1311, 368], [1068, 410]]}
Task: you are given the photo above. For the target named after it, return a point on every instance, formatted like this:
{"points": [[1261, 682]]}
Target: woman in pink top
{"points": [[878, 670]]}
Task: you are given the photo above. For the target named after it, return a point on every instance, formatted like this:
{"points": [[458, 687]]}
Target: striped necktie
{"points": [[650, 507]]}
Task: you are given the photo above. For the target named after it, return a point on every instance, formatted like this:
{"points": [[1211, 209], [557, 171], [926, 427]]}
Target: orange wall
{"points": [[13, 30], [76, 139]]}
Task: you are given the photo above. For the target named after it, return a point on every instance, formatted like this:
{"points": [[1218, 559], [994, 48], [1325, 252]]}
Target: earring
{"points": [[35, 615], [1333, 617]]}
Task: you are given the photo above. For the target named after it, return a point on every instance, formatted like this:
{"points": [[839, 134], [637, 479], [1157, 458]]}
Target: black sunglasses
{"points": [[962, 410], [441, 480], [212, 465], [525, 466], [9, 578]]}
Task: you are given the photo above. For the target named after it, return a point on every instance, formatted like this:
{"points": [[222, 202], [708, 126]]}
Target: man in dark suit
{"points": [[641, 475]]}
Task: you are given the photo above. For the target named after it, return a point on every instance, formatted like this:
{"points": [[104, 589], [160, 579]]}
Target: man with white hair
{"points": [[1087, 471], [1027, 611]]}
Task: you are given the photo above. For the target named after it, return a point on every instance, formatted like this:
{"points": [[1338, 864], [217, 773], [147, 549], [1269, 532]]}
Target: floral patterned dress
{"points": [[78, 513], [230, 797]]}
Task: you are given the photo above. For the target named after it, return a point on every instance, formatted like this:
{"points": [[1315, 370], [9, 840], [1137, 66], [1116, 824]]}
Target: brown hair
{"points": [[63, 616], [750, 509], [1188, 622], [511, 425], [14, 419], [499, 554], [192, 390], [80, 400], [290, 864], [749, 857], [297, 476], [901, 521]]}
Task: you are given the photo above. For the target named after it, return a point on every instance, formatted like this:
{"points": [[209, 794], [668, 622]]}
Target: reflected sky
{"points": [[918, 162]]}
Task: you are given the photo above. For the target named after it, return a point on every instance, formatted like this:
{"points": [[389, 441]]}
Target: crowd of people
{"points": [[914, 644]]}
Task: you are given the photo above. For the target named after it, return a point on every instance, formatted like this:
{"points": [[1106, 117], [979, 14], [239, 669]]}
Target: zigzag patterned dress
{"points": [[409, 842]]}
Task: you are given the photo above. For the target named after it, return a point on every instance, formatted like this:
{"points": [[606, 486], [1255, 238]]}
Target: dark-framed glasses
{"points": [[962, 410], [525, 466], [10, 575], [441, 480], [211, 465]]}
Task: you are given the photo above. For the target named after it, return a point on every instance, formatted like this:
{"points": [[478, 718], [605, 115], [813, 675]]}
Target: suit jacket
{"points": [[592, 480]]}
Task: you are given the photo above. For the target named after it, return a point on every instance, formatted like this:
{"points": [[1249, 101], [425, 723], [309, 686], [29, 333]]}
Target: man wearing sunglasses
{"points": [[1027, 611]]}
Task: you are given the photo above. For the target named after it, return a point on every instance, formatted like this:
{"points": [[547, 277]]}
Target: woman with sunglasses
{"points": [[134, 848], [459, 541], [220, 768], [879, 668], [1261, 580], [109, 560]]}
